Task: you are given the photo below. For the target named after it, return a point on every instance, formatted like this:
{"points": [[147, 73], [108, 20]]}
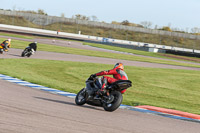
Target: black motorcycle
{"points": [[27, 52], [110, 100]]}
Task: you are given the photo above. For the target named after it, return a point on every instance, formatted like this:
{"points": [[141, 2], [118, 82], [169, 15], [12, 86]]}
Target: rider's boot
{"points": [[101, 91]]}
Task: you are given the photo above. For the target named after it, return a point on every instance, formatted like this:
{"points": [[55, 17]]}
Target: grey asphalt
{"points": [[16, 53], [27, 110]]}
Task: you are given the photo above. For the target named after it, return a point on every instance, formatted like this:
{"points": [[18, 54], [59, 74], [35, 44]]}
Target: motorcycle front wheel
{"points": [[81, 97], [116, 97], [1, 51]]}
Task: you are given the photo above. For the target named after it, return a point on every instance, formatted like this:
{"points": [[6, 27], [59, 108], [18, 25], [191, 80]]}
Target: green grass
{"points": [[16, 35], [32, 36], [128, 50], [145, 53], [68, 50], [168, 88]]}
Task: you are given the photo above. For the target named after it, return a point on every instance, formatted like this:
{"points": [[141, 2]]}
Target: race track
{"points": [[79, 45], [27, 110], [16, 53]]}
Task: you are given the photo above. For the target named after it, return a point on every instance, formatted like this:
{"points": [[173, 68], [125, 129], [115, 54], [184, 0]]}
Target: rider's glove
{"points": [[93, 76]]}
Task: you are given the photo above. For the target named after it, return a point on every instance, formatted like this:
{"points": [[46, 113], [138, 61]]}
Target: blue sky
{"points": [[182, 14]]}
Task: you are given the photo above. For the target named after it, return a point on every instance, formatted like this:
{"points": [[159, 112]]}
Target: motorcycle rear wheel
{"points": [[112, 106], [81, 97], [22, 54]]}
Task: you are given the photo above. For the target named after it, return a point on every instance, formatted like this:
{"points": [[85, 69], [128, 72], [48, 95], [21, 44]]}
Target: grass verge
{"points": [[168, 88], [145, 53], [16, 35], [128, 50]]}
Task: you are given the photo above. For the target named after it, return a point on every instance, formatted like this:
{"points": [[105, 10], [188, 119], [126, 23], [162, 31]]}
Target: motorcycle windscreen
{"points": [[98, 83], [93, 86]]}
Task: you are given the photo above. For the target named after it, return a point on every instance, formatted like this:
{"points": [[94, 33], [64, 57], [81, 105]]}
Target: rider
{"points": [[6, 44], [33, 47], [118, 74]]}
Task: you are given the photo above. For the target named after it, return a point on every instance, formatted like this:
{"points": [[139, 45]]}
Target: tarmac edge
{"points": [[170, 111]]}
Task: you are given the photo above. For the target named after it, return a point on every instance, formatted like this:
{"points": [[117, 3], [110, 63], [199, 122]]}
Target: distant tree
{"points": [[77, 16], [81, 17], [115, 22], [195, 30], [62, 15], [166, 28], [94, 18], [125, 22], [40, 11], [146, 24], [139, 25], [187, 30], [85, 17], [156, 27]]}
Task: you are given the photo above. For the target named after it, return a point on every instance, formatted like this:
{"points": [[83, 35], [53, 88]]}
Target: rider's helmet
{"points": [[9, 43], [119, 65]]}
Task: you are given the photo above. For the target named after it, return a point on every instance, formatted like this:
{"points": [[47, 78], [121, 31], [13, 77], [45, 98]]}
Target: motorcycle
{"points": [[109, 102], [2, 49], [27, 52]]}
